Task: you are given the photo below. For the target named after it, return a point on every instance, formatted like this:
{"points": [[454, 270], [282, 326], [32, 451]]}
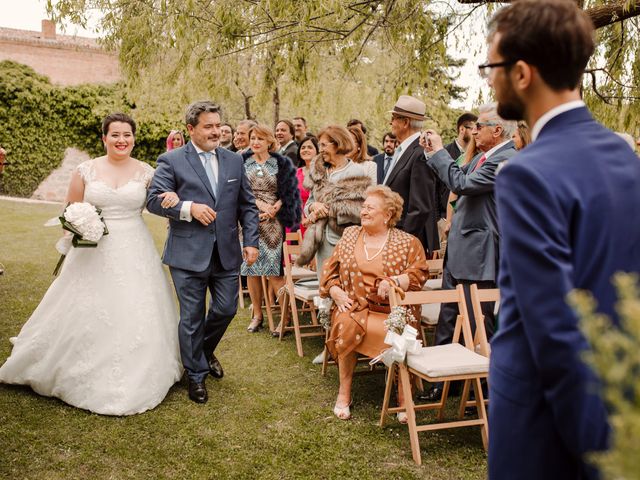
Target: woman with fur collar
{"points": [[337, 188], [275, 185]]}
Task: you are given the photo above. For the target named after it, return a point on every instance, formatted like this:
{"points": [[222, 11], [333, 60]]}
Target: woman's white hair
{"points": [[491, 111]]}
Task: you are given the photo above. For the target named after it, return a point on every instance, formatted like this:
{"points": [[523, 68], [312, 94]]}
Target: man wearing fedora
{"points": [[409, 176]]}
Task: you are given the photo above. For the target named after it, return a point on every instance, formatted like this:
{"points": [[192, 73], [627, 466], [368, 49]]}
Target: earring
{"points": [[385, 222]]}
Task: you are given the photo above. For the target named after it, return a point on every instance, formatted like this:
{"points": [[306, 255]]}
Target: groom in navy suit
{"points": [[203, 248], [565, 210]]}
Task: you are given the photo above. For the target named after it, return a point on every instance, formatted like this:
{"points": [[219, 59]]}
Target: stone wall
{"points": [[54, 187], [66, 60]]}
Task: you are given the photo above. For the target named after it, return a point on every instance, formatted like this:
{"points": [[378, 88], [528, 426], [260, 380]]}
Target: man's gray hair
{"points": [[491, 111], [416, 124], [196, 108], [248, 123]]}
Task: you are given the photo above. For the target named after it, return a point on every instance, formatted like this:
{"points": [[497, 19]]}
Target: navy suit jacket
{"points": [[568, 206], [190, 245], [379, 159]]}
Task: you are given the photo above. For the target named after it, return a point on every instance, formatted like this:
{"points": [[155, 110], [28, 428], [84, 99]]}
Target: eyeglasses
{"points": [[325, 145], [397, 117], [485, 68], [479, 125]]}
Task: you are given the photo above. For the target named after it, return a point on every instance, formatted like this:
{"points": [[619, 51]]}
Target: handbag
{"points": [[377, 303]]}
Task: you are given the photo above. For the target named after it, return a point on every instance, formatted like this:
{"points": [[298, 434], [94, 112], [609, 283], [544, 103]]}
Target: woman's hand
{"points": [[340, 297], [383, 288], [169, 199], [319, 210]]}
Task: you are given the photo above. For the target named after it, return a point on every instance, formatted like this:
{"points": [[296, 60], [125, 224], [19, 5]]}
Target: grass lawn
{"points": [[270, 416]]}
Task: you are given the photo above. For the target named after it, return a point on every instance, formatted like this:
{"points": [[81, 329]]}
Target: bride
{"points": [[105, 336]]}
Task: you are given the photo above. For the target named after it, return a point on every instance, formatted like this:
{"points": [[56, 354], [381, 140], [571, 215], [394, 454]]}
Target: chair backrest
{"points": [[294, 237], [435, 267], [479, 296], [442, 296]]}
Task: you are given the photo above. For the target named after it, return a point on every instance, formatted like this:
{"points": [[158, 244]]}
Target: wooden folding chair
{"points": [[442, 363], [268, 296], [431, 312], [294, 294], [478, 297]]}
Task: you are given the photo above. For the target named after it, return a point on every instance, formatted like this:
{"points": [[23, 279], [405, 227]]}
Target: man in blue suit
{"points": [[565, 205], [383, 160], [203, 248]]}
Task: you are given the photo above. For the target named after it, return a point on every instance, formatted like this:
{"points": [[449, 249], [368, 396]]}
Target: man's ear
{"points": [[521, 75]]}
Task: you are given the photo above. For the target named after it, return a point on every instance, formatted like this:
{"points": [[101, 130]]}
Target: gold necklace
{"points": [[366, 253]]}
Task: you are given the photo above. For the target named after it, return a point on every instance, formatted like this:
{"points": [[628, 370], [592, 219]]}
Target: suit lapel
{"points": [[402, 161], [223, 171], [194, 160]]}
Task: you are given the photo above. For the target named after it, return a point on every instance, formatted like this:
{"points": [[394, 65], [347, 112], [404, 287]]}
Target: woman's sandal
{"points": [[343, 413], [255, 325]]}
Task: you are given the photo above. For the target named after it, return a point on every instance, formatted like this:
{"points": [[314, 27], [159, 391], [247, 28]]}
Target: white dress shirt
{"points": [[554, 112], [185, 210]]}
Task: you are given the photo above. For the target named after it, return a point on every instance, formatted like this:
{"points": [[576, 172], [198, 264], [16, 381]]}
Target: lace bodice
{"points": [[125, 201]]}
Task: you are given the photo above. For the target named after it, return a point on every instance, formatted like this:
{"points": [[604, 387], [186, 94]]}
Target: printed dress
{"points": [[263, 179]]}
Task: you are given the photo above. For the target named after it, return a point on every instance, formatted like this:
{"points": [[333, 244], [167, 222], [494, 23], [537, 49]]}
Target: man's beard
{"points": [[388, 151], [511, 108]]}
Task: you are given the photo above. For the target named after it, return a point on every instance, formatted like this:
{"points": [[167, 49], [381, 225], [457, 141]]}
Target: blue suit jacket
{"points": [[568, 206], [190, 244]]}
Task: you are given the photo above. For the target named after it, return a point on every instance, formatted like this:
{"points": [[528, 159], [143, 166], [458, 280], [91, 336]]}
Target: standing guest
{"points": [[371, 150], [383, 160], [241, 135], [563, 208], [522, 135], [203, 248], [104, 337], [306, 153], [410, 176], [337, 187], [226, 136], [301, 129], [285, 132], [359, 154], [272, 178], [473, 243], [175, 140], [360, 265], [464, 125]]}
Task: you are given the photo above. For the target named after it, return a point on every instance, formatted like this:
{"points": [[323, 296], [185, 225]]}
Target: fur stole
{"points": [[344, 199]]}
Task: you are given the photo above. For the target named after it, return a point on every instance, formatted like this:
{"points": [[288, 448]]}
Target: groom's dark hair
{"points": [[196, 108]]}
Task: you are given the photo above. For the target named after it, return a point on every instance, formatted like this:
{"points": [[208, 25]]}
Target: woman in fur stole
{"points": [[337, 188]]}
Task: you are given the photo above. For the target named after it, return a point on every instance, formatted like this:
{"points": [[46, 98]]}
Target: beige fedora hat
{"points": [[410, 107]]}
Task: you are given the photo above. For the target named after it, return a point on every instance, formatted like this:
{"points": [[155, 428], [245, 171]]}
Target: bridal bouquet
{"points": [[85, 223]]}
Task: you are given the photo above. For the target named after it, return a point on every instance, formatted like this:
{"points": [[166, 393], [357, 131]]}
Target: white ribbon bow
{"points": [[401, 345]]}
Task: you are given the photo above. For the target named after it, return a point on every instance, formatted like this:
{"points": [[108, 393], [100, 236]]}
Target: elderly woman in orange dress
{"points": [[366, 261]]}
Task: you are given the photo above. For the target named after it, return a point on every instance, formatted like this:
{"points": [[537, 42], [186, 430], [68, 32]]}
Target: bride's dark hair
{"points": [[117, 117]]}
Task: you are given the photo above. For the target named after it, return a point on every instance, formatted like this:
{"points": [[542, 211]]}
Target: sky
{"points": [[466, 42]]}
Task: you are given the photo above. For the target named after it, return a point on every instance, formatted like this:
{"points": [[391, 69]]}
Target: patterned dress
{"points": [[359, 329], [263, 179]]}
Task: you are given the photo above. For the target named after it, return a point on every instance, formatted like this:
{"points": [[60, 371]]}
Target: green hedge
{"points": [[38, 121]]}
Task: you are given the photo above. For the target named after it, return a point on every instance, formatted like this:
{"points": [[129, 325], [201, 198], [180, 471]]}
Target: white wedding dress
{"points": [[105, 336]]}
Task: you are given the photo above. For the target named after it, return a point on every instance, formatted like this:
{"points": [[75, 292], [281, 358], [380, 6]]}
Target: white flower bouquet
{"points": [[84, 221], [398, 318]]}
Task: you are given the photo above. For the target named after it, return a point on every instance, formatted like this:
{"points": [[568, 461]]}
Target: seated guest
{"points": [[175, 140], [359, 154], [272, 178], [337, 188], [367, 260]]}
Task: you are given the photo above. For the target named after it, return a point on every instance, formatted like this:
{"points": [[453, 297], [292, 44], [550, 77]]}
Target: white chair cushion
{"points": [[305, 293], [301, 272], [430, 313], [433, 284], [447, 360]]}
